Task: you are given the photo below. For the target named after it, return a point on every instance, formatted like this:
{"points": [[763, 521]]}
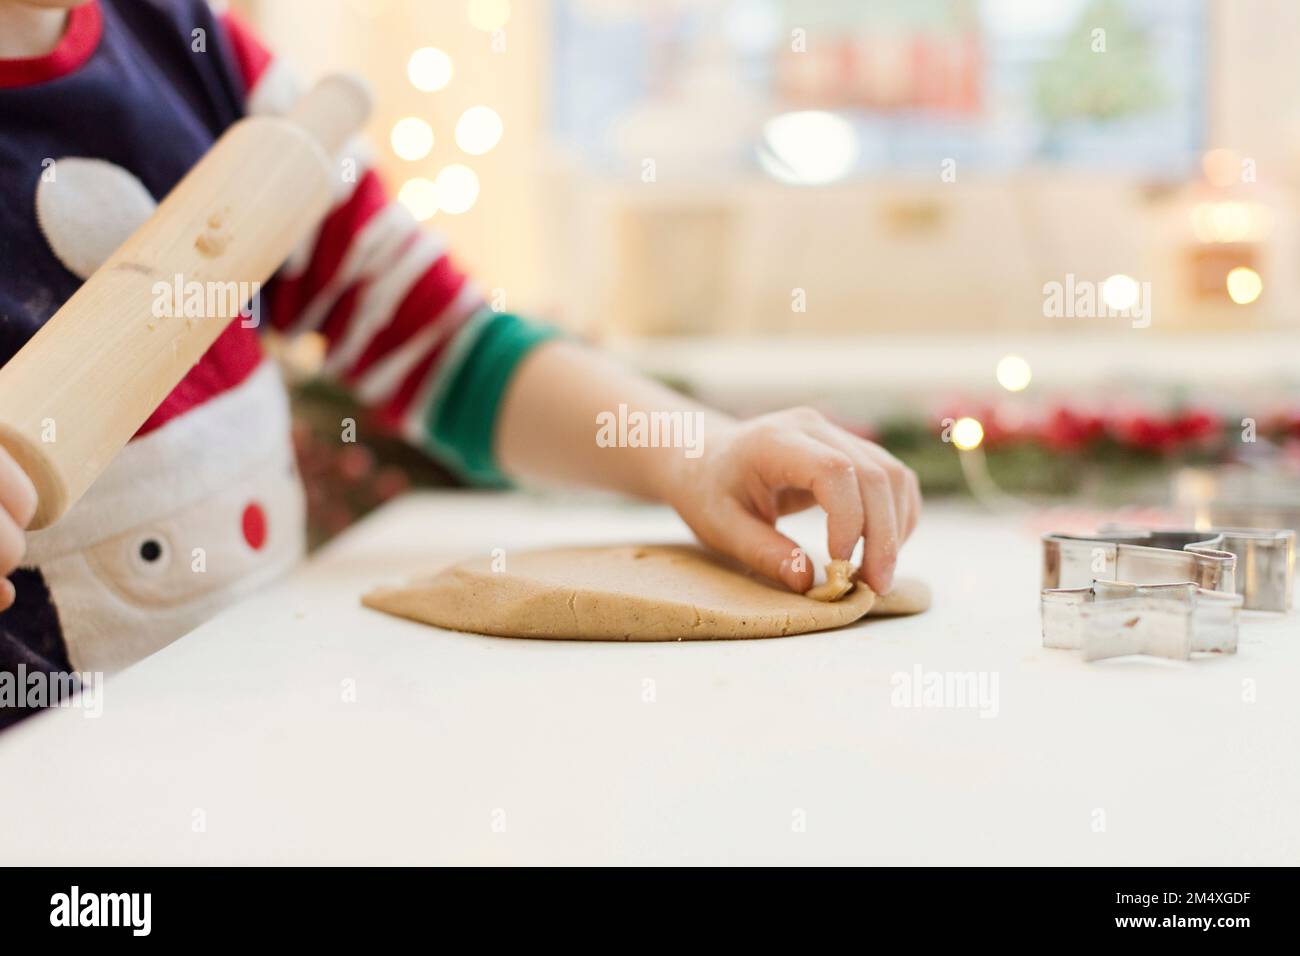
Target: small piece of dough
{"points": [[622, 593], [839, 582]]}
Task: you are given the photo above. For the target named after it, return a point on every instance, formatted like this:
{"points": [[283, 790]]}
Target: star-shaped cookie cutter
{"points": [[1257, 563], [1115, 619]]}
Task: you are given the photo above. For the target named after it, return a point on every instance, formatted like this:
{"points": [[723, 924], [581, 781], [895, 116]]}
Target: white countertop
{"points": [[466, 749], [873, 376]]}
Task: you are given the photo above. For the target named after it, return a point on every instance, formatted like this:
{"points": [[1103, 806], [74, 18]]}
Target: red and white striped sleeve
{"points": [[399, 319]]}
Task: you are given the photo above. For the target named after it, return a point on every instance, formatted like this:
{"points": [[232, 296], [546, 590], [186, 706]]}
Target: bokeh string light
{"points": [[1120, 292], [1244, 285], [967, 434], [1014, 373], [429, 69], [412, 138], [478, 130], [456, 187], [420, 196]]}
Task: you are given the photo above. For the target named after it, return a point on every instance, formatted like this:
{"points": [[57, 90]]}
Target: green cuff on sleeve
{"points": [[460, 421]]}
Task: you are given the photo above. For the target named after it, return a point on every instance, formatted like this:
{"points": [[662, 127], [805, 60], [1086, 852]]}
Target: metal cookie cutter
{"points": [[1258, 564], [1113, 619]]}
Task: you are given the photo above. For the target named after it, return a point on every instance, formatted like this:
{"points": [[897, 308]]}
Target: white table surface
{"points": [[466, 749]]}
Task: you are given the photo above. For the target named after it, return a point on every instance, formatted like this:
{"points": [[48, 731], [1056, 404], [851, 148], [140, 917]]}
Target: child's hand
{"points": [[746, 476], [17, 505], [753, 472]]}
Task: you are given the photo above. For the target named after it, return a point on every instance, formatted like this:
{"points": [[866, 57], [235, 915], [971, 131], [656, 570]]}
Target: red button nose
{"points": [[254, 525]]}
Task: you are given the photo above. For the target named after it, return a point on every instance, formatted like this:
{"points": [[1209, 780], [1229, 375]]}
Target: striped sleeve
{"points": [[405, 330]]}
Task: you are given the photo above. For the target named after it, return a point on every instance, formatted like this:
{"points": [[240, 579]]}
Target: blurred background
{"points": [[1061, 236]]}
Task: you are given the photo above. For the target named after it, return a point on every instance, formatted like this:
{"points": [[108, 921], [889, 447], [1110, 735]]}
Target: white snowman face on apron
{"points": [[188, 517], [148, 555]]}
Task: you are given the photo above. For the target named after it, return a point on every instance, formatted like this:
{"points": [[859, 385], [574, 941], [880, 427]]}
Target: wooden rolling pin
{"points": [[77, 392]]}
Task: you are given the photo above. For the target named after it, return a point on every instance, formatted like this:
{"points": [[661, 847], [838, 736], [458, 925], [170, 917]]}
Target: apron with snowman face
{"points": [[203, 504], [153, 550], [194, 512]]}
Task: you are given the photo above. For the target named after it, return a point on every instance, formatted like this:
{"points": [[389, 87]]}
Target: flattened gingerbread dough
{"points": [[624, 593], [907, 596]]}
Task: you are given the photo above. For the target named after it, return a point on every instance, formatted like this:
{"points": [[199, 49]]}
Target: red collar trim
{"points": [[80, 38]]}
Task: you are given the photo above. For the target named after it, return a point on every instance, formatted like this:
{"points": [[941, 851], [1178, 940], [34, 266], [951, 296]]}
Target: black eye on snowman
{"points": [[152, 554]]}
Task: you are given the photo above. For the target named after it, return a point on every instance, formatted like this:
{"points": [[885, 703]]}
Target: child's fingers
{"points": [[914, 494], [906, 489], [13, 544], [903, 486], [758, 545], [17, 493], [798, 460], [792, 500], [18, 501], [894, 475], [880, 533], [882, 483]]}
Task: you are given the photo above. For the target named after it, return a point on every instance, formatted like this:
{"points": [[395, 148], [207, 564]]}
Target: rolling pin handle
{"points": [[334, 110], [52, 498]]}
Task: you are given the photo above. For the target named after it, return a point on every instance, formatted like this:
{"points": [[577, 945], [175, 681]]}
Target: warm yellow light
{"points": [[478, 130], [1230, 221], [1120, 292], [967, 433], [420, 196], [1222, 167], [412, 138], [489, 15], [457, 189], [429, 69], [1014, 373], [1244, 285]]}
